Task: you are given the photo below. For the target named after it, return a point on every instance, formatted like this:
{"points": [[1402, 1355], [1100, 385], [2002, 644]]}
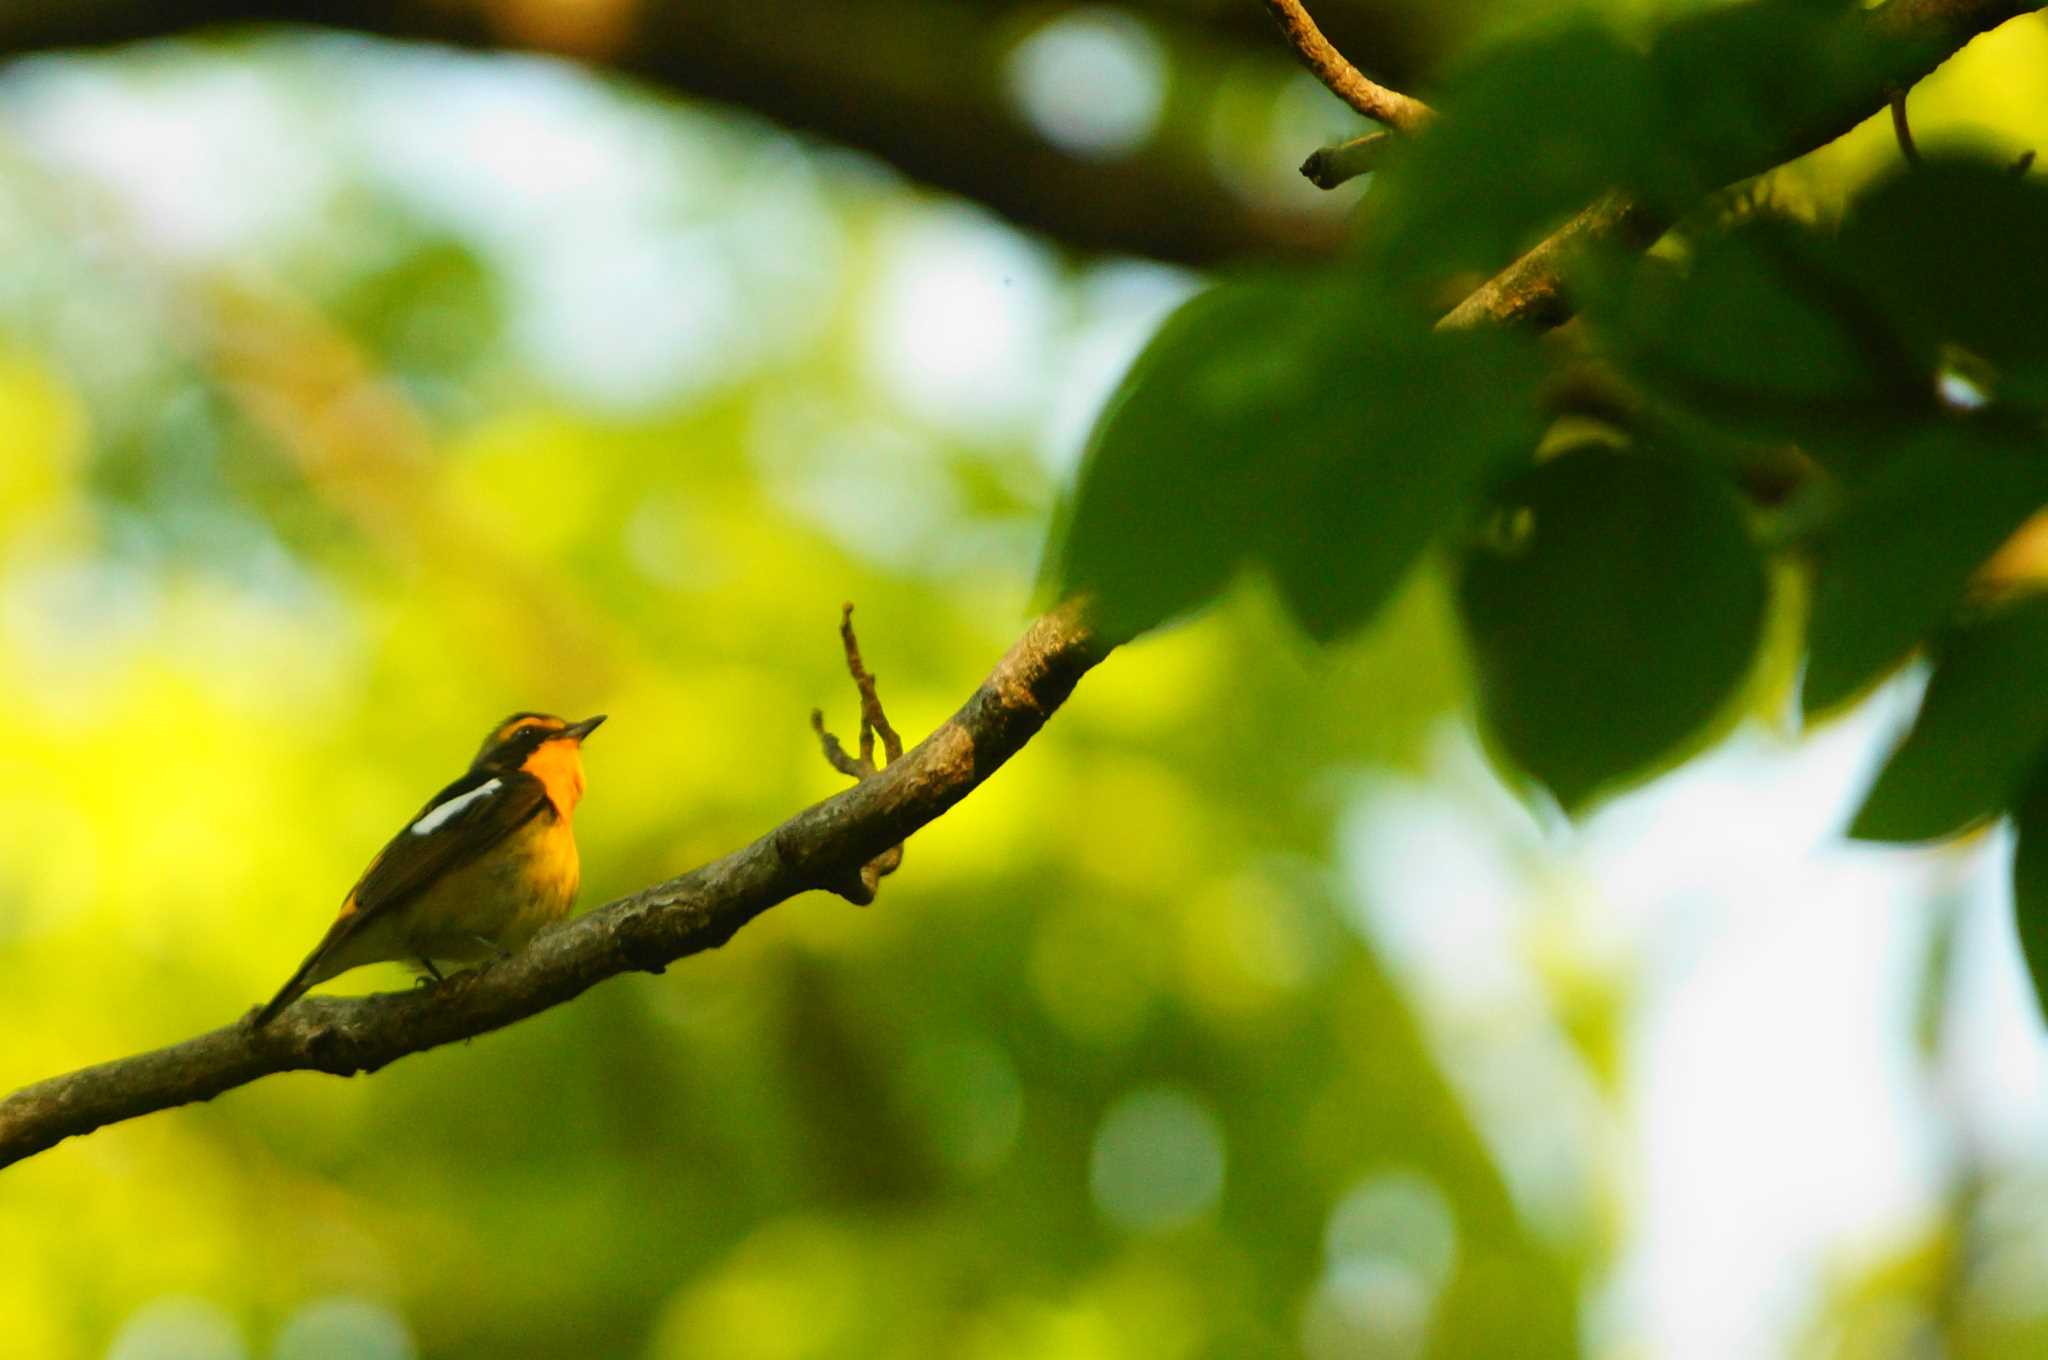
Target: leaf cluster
{"points": [[1763, 418]]}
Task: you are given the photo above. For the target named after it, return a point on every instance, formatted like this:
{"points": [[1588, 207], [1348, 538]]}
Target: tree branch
{"points": [[1329, 166], [702, 909], [1344, 80], [921, 84], [1916, 36]]}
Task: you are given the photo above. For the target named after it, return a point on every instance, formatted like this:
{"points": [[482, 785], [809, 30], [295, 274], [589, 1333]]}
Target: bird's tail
{"points": [[307, 975]]}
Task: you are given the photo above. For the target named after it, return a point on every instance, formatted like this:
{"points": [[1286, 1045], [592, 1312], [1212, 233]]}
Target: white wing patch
{"points": [[434, 818]]}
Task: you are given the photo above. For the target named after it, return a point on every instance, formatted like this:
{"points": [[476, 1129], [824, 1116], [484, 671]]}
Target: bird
{"points": [[477, 871]]}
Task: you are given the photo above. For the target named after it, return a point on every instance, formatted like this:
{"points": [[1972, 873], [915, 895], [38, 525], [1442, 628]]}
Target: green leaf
{"points": [[1613, 604], [1530, 132], [1904, 548], [1239, 376], [1762, 333], [1950, 250], [1740, 80], [2030, 886], [1297, 422], [1982, 727], [1442, 415]]}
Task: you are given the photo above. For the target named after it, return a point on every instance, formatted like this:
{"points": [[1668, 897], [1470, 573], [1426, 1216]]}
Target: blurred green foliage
{"points": [[1862, 389], [290, 510]]}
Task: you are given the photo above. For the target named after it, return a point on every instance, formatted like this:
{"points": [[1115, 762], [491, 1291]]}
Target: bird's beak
{"points": [[582, 729]]}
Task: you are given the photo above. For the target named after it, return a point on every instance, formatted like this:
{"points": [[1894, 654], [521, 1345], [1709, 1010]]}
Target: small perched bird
{"points": [[484, 865]]}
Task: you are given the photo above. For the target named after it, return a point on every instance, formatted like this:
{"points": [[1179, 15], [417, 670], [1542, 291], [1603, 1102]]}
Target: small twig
{"points": [[872, 718], [1903, 129], [1344, 80], [2023, 164], [859, 886], [1329, 166]]}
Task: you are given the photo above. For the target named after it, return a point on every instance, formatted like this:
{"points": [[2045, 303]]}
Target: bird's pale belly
{"points": [[500, 902]]}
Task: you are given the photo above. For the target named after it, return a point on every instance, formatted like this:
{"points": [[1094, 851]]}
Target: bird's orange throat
{"points": [[559, 767]]}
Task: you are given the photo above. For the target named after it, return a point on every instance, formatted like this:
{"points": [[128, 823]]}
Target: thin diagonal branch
{"points": [[1344, 80], [699, 910]]}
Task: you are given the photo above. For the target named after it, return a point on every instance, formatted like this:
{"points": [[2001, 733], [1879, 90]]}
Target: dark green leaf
{"points": [[1904, 548], [1299, 423], [1614, 604], [1530, 133], [1952, 251], [1740, 81], [1981, 728], [2030, 886], [1441, 416], [1161, 513], [1762, 333]]}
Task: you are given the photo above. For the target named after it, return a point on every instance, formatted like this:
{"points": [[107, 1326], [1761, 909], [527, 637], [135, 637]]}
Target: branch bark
{"points": [[1340, 77], [819, 848]]}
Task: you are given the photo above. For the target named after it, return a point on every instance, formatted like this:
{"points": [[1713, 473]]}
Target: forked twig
{"points": [[859, 887]]}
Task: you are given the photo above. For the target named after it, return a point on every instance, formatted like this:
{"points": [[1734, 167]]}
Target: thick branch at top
{"points": [[922, 84]]}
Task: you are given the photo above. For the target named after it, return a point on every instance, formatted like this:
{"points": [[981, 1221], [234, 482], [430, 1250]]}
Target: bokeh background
{"points": [[355, 391]]}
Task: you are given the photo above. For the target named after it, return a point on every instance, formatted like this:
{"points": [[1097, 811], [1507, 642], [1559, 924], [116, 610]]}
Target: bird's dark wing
{"points": [[457, 824]]}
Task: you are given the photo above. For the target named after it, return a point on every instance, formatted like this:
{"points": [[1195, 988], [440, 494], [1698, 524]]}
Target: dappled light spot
{"points": [[880, 488], [1397, 1216], [691, 331], [1091, 81], [1158, 1160], [1375, 1309], [1391, 1247], [959, 323], [344, 1328], [175, 147], [178, 1328], [1958, 392]]}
